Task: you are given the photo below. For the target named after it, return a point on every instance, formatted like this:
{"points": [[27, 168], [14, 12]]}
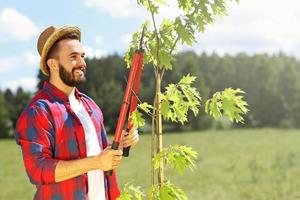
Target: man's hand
{"points": [[130, 138], [109, 159]]}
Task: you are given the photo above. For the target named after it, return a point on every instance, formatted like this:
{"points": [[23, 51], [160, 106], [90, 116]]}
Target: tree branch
{"points": [[176, 40], [156, 36]]}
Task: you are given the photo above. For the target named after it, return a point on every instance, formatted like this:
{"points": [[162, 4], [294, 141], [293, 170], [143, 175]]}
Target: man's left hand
{"points": [[130, 138]]}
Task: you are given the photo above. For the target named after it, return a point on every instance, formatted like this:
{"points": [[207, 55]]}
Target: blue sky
{"points": [[253, 26]]}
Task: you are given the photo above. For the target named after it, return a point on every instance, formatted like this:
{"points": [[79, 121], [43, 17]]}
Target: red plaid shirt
{"points": [[48, 131]]}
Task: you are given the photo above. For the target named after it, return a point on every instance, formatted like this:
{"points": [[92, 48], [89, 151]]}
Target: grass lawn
{"points": [[233, 165]]}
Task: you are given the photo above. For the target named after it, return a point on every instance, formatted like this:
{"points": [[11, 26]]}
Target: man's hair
{"points": [[55, 47]]}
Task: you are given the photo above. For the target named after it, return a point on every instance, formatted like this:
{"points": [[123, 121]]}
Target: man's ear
{"points": [[52, 64]]}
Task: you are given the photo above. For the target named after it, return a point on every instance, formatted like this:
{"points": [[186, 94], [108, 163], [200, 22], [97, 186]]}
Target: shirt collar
{"points": [[57, 93]]}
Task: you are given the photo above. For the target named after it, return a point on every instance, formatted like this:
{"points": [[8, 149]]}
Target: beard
{"points": [[71, 78]]}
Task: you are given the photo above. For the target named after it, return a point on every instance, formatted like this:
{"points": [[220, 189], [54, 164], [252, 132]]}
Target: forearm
{"points": [[72, 168]]}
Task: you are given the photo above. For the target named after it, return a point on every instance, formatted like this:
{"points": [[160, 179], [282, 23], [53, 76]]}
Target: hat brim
{"points": [[50, 42]]}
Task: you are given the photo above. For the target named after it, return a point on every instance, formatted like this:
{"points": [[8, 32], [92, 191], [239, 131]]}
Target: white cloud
{"points": [[27, 59], [252, 26], [116, 8], [130, 8], [7, 64], [27, 84], [255, 26], [14, 25], [99, 39], [31, 59], [94, 53], [170, 10], [126, 39]]}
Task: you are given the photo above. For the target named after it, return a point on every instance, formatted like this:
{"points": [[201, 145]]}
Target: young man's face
{"points": [[72, 67]]}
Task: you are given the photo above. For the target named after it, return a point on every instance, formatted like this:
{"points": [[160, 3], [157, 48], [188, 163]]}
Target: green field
{"points": [[238, 164]]}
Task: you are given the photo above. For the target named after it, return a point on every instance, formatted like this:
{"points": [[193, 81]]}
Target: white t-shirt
{"points": [[95, 177]]}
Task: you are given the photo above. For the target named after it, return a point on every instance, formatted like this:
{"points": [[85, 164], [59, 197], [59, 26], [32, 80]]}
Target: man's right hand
{"points": [[108, 159]]}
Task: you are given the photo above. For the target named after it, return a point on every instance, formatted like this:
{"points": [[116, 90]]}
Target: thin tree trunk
{"points": [[158, 129], [153, 143]]}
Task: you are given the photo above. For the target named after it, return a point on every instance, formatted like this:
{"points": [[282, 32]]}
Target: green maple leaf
{"points": [[186, 5], [185, 33], [137, 119], [229, 103], [165, 108], [178, 157], [145, 107], [165, 59], [131, 192], [187, 80]]}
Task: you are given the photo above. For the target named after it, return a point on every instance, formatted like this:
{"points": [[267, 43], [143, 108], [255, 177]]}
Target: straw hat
{"points": [[47, 39]]}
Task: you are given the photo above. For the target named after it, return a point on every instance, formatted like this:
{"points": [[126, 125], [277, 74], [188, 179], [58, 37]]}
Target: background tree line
{"points": [[271, 83]]}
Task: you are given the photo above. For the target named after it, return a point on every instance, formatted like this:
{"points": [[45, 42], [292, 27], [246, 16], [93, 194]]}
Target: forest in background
{"points": [[271, 83]]}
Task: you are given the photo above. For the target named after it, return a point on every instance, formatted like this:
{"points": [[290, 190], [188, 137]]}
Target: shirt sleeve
{"points": [[35, 135]]}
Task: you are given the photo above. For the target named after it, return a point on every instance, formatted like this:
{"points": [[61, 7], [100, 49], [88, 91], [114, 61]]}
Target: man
{"points": [[61, 131]]}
